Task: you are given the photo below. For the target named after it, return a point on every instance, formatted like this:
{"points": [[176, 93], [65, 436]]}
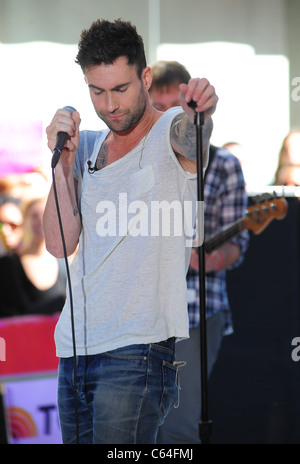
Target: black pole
{"points": [[205, 424]]}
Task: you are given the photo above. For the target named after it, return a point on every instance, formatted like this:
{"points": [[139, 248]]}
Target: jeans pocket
{"points": [[171, 387]]}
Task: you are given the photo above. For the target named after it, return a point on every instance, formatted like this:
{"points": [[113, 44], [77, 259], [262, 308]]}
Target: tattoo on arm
{"points": [[75, 211], [183, 136]]}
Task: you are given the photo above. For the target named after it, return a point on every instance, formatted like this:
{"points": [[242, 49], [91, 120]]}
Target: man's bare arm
{"points": [[70, 217], [183, 141], [66, 188], [183, 132]]}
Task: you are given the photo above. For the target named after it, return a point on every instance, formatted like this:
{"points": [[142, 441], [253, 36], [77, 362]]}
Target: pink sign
{"points": [[20, 146]]}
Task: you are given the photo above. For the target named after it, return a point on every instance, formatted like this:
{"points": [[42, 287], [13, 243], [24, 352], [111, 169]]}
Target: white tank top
{"points": [[129, 274]]}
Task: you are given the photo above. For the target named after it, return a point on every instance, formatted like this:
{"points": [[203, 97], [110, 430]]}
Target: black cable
{"points": [[71, 302]]}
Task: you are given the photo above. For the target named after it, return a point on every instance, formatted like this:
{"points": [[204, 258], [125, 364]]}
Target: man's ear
{"points": [[147, 77]]}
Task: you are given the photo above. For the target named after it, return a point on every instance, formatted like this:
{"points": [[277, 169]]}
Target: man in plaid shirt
{"points": [[225, 201]]}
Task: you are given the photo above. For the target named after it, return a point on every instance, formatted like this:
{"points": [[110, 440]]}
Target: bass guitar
{"points": [[256, 218]]}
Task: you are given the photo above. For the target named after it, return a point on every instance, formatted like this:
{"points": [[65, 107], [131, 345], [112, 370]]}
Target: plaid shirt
{"points": [[225, 201]]}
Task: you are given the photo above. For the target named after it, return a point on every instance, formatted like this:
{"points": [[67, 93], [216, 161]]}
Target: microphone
{"points": [[60, 141], [91, 168]]}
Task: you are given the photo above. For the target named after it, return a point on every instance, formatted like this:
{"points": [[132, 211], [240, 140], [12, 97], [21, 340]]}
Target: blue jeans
{"points": [[123, 396]]}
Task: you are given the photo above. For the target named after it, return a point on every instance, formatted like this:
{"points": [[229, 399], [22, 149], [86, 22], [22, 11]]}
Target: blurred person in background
{"points": [[25, 186], [11, 224], [288, 168], [225, 201], [32, 280], [236, 149]]}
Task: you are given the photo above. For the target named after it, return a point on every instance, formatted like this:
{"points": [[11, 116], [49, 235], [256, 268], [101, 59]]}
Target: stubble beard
{"points": [[131, 120]]}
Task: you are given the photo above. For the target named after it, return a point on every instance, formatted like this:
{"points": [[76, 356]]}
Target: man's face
{"points": [[165, 98], [11, 221], [118, 95]]}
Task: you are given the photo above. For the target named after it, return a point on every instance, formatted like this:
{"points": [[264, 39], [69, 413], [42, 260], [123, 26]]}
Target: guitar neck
{"points": [[258, 217], [224, 235]]}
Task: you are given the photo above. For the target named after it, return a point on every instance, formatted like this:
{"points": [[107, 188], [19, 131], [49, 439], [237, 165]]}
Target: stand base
{"points": [[205, 432]]}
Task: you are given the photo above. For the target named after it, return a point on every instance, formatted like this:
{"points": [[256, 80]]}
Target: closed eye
{"points": [[95, 90], [122, 90], [119, 88]]}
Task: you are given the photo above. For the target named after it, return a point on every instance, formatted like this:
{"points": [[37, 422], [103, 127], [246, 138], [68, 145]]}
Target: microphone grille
{"points": [[70, 109]]}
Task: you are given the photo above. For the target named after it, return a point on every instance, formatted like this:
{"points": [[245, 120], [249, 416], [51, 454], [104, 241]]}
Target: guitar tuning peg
{"points": [[273, 206], [256, 199]]}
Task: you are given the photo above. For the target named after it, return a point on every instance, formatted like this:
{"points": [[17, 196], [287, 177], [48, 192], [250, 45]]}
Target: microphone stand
{"points": [[205, 425]]}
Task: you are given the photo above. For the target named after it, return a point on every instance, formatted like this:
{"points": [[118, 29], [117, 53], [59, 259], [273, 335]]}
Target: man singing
{"points": [[129, 288]]}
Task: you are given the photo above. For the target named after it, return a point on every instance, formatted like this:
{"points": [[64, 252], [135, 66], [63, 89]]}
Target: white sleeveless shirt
{"points": [[129, 274]]}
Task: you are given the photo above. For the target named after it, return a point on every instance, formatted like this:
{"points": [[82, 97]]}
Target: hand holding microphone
{"points": [[63, 129]]}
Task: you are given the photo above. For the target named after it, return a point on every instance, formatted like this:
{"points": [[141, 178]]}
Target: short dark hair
{"points": [[105, 41], [166, 73]]}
